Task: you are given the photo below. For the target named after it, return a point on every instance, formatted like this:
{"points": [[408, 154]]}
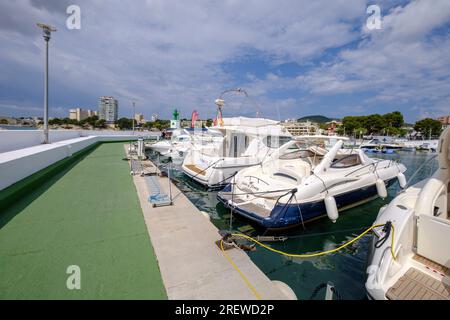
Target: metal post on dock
{"points": [[170, 184], [140, 148], [232, 201]]}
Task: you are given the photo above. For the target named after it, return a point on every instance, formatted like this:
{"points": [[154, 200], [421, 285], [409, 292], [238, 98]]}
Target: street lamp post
{"points": [[134, 113], [46, 32]]}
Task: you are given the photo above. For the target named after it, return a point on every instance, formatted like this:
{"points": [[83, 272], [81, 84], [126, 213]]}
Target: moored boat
{"points": [[307, 183], [247, 142], [409, 257]]}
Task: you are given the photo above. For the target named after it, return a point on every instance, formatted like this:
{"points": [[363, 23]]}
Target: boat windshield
{"points": [[297, 154], [346, 162]]}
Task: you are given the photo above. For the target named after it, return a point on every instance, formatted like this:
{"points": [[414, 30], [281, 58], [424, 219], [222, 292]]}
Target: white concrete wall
{"points": [[18, 139], [19, 164]]}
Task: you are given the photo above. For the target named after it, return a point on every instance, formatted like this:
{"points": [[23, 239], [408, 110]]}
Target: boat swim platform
{"points": [[191, 265], [247, 206], [432, 265], [416, 285], [85, 213], [196, 169]]}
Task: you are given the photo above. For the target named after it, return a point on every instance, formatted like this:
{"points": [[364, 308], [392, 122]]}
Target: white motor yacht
{"points": [[247, 142], [303, 182], [409, 257]]}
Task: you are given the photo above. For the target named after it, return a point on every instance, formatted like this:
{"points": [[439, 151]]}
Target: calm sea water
{"points": [[346, 269], [11, 127]]}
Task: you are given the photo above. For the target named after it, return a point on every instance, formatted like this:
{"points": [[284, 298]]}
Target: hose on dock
{"points": [[388, 225]]}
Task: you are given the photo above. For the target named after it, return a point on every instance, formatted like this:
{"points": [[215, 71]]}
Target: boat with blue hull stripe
{"points": [[287, 215]]}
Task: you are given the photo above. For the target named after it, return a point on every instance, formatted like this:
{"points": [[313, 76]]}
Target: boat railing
{"points": [[257, 179], [380, 264], [373, 164]]}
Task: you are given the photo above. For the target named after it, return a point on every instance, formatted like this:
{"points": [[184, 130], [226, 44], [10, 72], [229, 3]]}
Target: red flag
{"points": [[194, 118]]}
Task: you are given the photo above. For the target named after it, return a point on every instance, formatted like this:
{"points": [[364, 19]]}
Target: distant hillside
{"points": [[316, 118]]}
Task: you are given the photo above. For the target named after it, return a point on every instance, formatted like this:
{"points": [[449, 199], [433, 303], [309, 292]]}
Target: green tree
{"points": [[55, 121], [340, 130], [394, 119], [393, 131], [100, 123], [147, 125], [427, 126], [359, 132], [162, 124], [374, 123], [125, 123], [351, 123]]}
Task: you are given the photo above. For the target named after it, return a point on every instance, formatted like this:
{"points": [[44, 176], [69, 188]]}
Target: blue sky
{"points": [[294, 58]]}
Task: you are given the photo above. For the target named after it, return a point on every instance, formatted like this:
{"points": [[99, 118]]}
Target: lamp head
{"points": [[46, 30]]}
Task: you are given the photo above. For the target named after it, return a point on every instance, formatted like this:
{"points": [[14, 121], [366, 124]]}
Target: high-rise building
{"points": [[80, 114], [108, 109]]}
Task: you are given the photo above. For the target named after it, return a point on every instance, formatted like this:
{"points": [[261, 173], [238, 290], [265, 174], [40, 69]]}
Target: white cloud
{"points": [[403, 62], [168, 53]]}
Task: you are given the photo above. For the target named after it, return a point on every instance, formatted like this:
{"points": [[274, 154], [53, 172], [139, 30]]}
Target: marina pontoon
{"points": [[300, 183], [410, 256]]}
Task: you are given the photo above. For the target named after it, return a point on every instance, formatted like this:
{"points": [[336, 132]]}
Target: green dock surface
{"points": [[86, 215]]}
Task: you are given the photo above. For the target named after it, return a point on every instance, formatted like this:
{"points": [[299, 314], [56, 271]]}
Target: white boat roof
{"points": [[248, 122], [319, 136], [253, 126]]}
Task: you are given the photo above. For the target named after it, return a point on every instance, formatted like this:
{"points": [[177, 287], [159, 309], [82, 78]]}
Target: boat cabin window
{"points": [[275, 141], [346, 162], [181, 138]]}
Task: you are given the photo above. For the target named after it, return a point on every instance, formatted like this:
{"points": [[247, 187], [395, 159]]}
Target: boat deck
{"points": [[250, 207], [87, 214], [416, 285], [196, 169]]}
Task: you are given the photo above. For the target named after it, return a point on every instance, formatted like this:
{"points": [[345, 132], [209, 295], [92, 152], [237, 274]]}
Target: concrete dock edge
{"points": [[191, 265]]}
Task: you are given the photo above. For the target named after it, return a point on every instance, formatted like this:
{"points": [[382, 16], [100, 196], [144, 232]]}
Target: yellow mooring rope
{"points": [[310, 255]]}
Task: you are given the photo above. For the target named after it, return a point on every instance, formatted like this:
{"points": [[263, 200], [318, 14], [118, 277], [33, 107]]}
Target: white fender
{"points": [[381, 188], [331, 207], [401, 180]]}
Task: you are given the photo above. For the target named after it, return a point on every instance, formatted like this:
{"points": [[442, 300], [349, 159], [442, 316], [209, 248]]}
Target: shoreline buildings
{"points": [[81, 114], [445, 120], [300, 128]]}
